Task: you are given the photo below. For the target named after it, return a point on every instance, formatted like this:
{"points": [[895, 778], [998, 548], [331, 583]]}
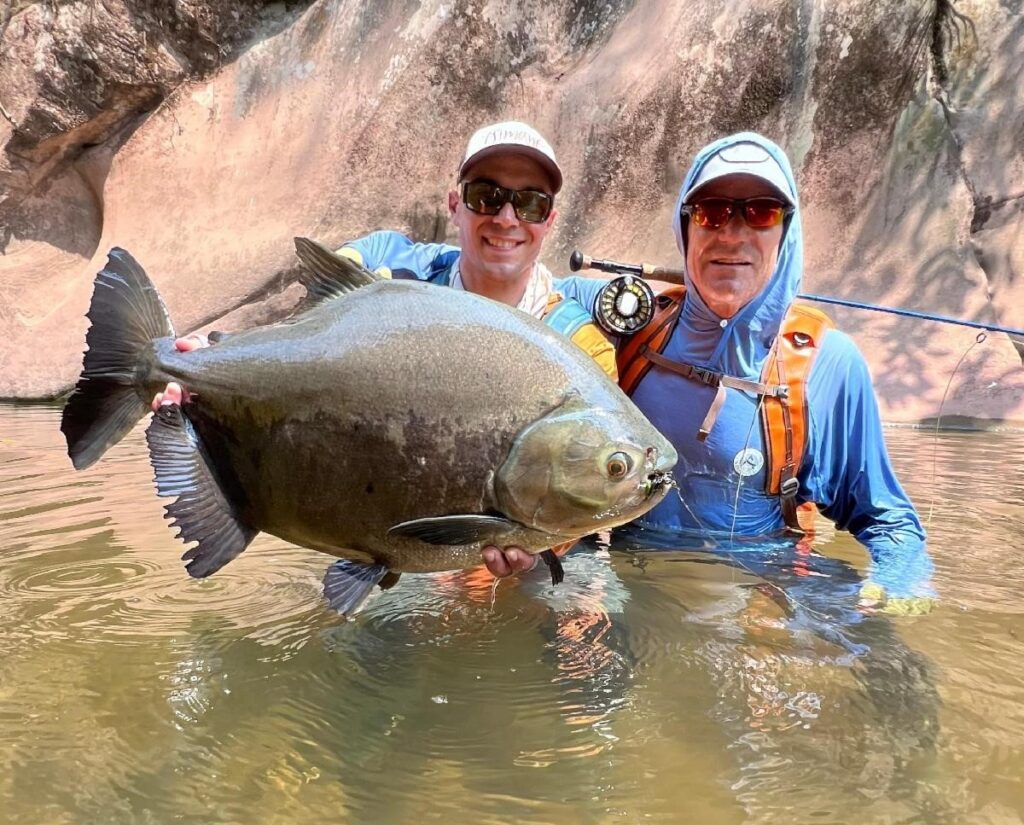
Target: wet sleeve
{"points": [[847, 472], [393, 255]]}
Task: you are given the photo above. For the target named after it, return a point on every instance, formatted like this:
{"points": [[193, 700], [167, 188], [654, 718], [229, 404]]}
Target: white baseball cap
{"points": [[743, 159], [512, 137]]}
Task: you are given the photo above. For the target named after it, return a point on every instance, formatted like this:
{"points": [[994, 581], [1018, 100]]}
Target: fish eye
{"points": [[619, 464]]}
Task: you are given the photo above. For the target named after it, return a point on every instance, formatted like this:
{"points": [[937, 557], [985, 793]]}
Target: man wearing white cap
{"points": [[769, 407], [503, 206]]}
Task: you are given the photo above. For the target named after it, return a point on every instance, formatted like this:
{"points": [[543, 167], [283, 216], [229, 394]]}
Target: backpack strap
{"points": [[784, 417], [643, 349], [633, 352], [784, 413], [713, 379]]}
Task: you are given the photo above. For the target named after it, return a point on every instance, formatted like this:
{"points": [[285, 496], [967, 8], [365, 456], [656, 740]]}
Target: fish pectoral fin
{"points": [[329, 275], [455, 530], [202, 511], [348, 583], [554, 565]]}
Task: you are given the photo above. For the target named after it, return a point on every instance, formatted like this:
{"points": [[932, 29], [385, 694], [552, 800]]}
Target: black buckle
{"points": [[789, 487], [705, 376]]}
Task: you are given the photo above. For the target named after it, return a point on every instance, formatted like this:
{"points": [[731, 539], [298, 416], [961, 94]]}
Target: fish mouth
{"points": [[658, 482]]}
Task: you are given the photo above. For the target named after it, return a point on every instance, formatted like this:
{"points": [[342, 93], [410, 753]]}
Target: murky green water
{"points": [[648, 688]]}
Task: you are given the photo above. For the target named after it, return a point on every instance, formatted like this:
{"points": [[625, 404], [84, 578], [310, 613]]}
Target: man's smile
{"points": [[502, 243]]}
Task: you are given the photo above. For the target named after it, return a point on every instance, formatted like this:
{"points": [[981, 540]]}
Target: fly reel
{"points": [[624, 306]]}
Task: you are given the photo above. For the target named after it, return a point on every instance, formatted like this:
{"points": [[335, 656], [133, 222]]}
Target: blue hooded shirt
{"points": [[845, 470]]}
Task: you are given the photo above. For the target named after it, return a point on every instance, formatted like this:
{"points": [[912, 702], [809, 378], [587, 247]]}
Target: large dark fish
{"points": [[395, 424]]}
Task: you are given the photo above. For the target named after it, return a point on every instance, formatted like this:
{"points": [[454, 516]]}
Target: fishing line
{"points": [[494, 591], [981, 337], [790, 600], [739, 479], [735, 514], [686, 504]]}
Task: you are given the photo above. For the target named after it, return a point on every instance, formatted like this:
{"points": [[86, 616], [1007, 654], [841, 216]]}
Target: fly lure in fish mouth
{"points": [[657, 481]]}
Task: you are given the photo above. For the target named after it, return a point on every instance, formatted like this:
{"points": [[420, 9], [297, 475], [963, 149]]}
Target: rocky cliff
{"points": [[202, 136]]}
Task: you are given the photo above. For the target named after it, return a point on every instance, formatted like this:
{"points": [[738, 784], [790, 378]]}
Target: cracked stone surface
{"points": [[203, 144]]}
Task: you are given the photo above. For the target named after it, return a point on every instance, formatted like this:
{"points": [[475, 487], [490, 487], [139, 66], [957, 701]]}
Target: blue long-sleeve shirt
{"points": [[845, 469]]}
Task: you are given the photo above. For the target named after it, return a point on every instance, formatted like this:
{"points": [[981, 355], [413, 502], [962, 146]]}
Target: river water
{"points": [[650, 687]]}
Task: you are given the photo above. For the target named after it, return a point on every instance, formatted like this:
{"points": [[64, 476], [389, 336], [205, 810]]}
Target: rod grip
{"points": [[578, 261]]}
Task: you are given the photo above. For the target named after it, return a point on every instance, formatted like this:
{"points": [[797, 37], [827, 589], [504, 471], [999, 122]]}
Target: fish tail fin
{"points": [[127, 315]]}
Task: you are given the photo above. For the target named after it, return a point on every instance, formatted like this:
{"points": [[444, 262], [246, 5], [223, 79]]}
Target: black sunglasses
{"points": [[486, 198], [759, 213]]}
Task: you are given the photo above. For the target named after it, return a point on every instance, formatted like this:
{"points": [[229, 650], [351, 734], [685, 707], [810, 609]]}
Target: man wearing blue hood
{"points": [[715, 382]]}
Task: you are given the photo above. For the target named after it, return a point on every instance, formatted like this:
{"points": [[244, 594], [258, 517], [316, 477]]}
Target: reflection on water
{"points": [[656, 684]]}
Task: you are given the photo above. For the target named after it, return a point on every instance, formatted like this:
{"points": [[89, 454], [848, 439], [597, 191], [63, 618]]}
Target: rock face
{"points": [[76, 80], [204, 139]]}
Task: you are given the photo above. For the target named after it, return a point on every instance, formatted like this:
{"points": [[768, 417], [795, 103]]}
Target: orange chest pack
{"points": [[782, 386]]}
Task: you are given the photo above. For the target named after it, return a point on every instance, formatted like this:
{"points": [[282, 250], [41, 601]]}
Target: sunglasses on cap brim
{"points": [[759, 213], [487, 198]]}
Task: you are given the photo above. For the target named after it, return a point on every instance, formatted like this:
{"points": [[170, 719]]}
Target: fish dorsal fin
{"points": [[329, 275], [202, 512]]}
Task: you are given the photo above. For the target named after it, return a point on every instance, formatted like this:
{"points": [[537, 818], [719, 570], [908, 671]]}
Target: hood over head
{"points": [[741, 346]]}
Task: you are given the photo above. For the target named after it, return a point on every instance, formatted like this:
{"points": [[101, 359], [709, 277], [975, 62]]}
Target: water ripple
{"points": [[647, 684]]}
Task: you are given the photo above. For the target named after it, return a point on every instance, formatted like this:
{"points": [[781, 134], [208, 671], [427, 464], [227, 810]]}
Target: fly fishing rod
{"points": [[624, 302]]}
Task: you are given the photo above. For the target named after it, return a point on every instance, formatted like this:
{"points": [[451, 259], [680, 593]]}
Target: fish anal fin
{"points": [[347, 584], [202, 511], [455, 530]]}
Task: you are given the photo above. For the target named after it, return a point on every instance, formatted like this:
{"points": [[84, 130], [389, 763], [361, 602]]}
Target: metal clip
{"points": [[789, 487]]}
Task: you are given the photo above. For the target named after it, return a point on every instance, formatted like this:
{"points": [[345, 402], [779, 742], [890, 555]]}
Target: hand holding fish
{"points": [[508, 561], [174, 393]]}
